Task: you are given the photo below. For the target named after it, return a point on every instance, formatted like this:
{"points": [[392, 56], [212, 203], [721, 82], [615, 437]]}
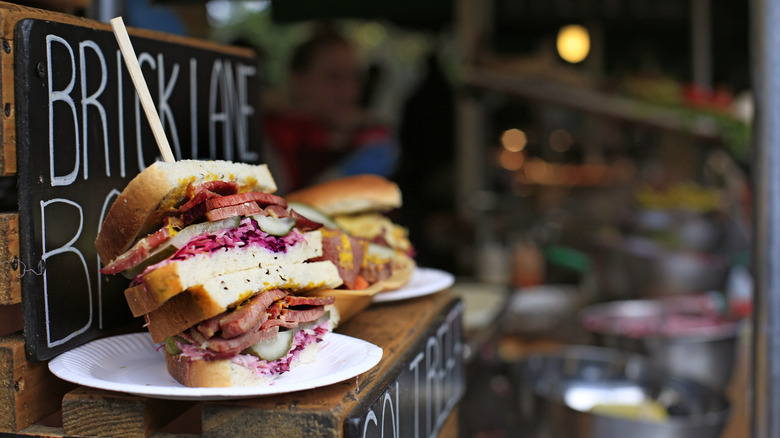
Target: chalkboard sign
{"points": [[81, 136]]}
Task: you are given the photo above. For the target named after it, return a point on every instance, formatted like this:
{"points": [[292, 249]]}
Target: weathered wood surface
{"points": [[93, 412], [10, 268], [28, 390]]}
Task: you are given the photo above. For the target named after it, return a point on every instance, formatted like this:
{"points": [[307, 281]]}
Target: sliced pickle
{"points": [[171, 347], [312, 213], [275, 226], [274, 348], [182, 237]]}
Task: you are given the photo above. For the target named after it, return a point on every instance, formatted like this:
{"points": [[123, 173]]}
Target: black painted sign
{"points": [[81, 135], [428, 386]]}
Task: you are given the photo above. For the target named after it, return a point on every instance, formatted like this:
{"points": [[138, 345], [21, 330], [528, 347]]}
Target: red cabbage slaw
{"points": [[248, 233], [261, 367]]}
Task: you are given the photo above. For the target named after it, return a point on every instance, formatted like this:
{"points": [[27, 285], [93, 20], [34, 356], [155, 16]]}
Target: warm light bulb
{"points": [[514, 140], [573, 43]]}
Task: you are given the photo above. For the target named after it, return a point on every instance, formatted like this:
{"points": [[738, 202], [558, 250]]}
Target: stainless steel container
{"points": [[706, 353], [557, 391]]}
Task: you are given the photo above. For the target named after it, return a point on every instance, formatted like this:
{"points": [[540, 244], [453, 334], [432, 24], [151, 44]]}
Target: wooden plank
{"points": [[94, 412], [10, 319], [28, 390], [7, 105], [10, 268], [396, 327]]}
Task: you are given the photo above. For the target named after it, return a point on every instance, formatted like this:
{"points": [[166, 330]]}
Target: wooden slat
{"points": [[321, 412], [10, 14], [10, 319], [10, 269], [28, 390], [94, 412], [7, 107]]}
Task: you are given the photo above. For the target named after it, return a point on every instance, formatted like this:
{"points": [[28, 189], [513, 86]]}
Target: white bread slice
{"points": [[216, 295], [173, 278], [350, 195], [225, 373], [138, 210]]}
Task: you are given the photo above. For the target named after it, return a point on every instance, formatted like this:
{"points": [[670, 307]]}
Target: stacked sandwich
{"points": [[218, 265], [369, 249]]}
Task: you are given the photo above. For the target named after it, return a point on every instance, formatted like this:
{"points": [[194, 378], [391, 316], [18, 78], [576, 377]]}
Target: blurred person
{"points": [[323, 133]]}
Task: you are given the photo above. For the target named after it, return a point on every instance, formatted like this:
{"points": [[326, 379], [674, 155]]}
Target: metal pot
{"points": [[705, 353], [557, 392]]}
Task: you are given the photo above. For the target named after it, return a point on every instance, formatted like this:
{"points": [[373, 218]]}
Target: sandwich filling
{"points": [[211, 219], [264, 333], [361, 262]]}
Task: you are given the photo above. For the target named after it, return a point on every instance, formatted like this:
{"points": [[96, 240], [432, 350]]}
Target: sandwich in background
{"points": [[218, 264], [372, 253]]}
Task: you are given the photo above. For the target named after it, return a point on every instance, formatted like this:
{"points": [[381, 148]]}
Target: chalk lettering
{"points": [[414, 366], [194, 107], [426, 390], [243, 112], [61, 96], [370, 418], [388, 401], [220, 93], [432, 355], [66, 248], [91, 100]]}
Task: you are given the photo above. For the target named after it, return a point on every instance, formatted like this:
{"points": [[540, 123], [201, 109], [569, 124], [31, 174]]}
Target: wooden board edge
{"points": [[10, 267]]}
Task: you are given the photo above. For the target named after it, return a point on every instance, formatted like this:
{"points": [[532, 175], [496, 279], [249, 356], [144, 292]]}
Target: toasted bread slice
{"points": [[216, 295], [165, 282]]}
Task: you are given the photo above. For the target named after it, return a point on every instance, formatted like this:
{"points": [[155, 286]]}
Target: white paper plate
{"points": [[132, 364], [424, 281]]}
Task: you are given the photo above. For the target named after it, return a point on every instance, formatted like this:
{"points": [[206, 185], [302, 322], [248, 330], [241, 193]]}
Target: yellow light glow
{"points": [[573, 43], [514, 140]]}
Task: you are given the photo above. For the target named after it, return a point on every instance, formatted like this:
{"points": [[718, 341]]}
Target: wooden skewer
{"points": [[131, 60]]}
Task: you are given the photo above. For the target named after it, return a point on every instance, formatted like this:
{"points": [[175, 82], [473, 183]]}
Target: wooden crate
{"points": [[400, 328]]}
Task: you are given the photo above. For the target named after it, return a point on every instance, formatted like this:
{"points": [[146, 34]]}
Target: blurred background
{"points": [[582, 167]]}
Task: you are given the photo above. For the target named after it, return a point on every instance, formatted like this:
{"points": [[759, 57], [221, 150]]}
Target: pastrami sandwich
{"points": [[218, 266], [368, 248]]}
